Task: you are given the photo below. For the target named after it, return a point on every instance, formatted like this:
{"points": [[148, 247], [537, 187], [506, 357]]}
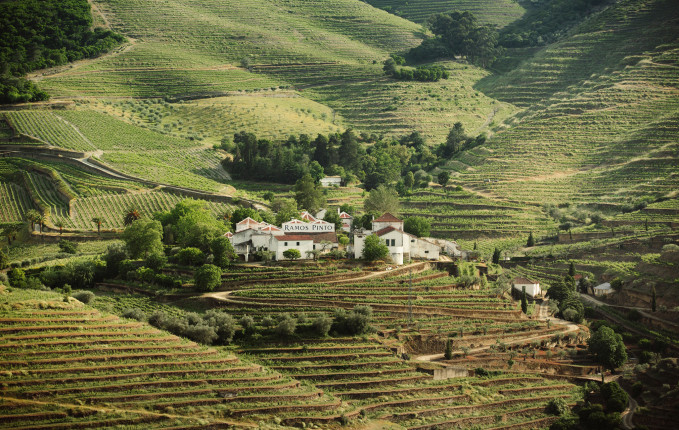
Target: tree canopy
{"points": [[417, 225], [374, 249], [41, 34], [143, 237], [308, 194], [608, 348], [382, 199]]}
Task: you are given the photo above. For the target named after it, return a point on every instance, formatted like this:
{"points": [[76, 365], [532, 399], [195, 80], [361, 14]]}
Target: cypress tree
{"points": [[448, 354], [524, 301], [571, 270], [496, 256], [531, 240], [653, 300]]}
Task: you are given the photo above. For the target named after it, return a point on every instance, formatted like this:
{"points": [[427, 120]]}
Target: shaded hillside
{"points": [[606, 125], [500, 12]]}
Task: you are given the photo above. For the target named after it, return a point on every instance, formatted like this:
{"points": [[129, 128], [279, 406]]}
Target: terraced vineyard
{"points": [[365, 373], [14, 202], [493, 12], [605, 129], [67, 365]]}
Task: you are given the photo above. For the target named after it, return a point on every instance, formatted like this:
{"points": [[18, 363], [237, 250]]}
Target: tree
{"points": [[292, 254], [571, 270], [374, 248], [40, 220], [409, 180], [531, 240], [98, 221], [524, 301], [448, 353], [198, 228], [145, 275], [496, 256], [223, 251], [559, 291], [286, 209], [131, 216], [333, 218], [382, 199], [308, 195], [616, 284], [419, 226], [32, 216], [653, 299], [4, 260], [60, 224], [443, 178], [321, 325], [208, 277], [143, 237], [607, 348], [316, 171], [286, 326]]}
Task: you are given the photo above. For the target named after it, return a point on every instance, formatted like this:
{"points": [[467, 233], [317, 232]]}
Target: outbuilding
{"points": [[532, 287], [331, 181]]}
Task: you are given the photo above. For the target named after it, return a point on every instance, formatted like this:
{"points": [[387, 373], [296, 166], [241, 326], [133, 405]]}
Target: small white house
{"points": [[603, 289], [347, 221], [532, 287], [331, 181], [402, 246]]}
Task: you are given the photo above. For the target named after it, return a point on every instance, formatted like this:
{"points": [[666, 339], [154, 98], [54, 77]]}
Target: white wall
{"points": [[531, 289], [303, 247]]}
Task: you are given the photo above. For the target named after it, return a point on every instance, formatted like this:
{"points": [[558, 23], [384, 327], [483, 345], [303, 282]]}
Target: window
{"points": [[426, 252], [297, 243], [285, 243], [393, 242], [412, 240]]}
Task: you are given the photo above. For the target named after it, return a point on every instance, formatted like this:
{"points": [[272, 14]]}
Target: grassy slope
{"points": [[325, 50], [498, 12], [605, 126]]}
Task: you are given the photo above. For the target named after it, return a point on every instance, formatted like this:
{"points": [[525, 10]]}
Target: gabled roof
{"points": [[345, 215], [524, 281], [248, 221], [294, 237], [228, 234], [604, 286], [294, 221], [387, 217], [270, 227], [386, 230], [307, 216], [319, 221]]}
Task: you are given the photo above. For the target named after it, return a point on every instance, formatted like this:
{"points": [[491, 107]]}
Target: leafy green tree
{"points": [[60, 224], [607, 348], [191, 256], [524, 301], [156, 261], [292, 254], [333, 218], [321, 325], [32, 216], [286, 326], [145, 275], [316, 171], [531, 240], [419, 226], [198, 228], [374, 248], [351, 151], [571, 270], [286, 209], [382, 199], [616, 284], [443, 178], [208, 277], [143, 237], [559, 291], [409, 180], [223, 251], [308, 195]]}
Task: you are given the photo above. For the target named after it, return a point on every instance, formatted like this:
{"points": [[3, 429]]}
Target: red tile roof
{"points": [[294, 237], [386, 230], [345, 215], [387, 217]]}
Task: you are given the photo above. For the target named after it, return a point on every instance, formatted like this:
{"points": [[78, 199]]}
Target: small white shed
{"points": [[331, 181], [532, 287], [603, 289]]}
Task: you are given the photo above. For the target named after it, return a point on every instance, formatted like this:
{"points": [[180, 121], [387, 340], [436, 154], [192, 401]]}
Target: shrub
{"points": [[616, 398], [355, 322], [637, 389], [224, 324], [286, 326], [374, 249], [248, 324], [292, 254], [155, 261], [84, 296], [448, 353], [201, 333], [321, 325], [68, 247], [557, 406], [135, 314], [191, 256], [208, 277]]}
